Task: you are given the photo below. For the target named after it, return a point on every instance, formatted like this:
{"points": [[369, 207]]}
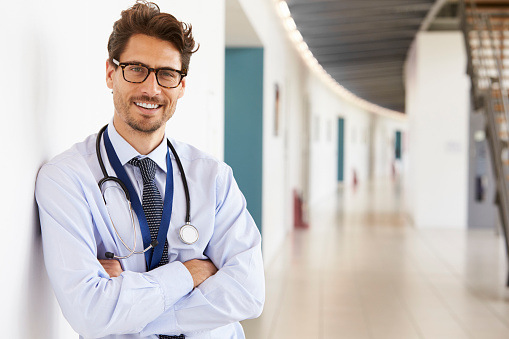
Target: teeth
{"points": [[145, 105]]}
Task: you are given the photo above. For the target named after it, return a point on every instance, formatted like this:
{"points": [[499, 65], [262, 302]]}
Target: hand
{"points": [[200, 270], [112, 267]]}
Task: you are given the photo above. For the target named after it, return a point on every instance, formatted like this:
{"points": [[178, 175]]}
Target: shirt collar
{"points": [[126, 152]]}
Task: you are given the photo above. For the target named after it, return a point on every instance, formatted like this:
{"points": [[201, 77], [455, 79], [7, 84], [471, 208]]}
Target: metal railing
{"points": [[478, 30]]}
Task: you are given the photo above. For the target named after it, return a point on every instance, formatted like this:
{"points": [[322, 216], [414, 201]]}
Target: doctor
{"points": [[118, 258]]}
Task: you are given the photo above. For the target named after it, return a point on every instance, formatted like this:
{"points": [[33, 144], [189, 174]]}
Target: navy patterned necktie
{"points": [[153, 207], [152, 202]]}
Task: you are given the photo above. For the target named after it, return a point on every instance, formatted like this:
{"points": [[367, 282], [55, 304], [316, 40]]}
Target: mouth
{"points": [[146, 105]]}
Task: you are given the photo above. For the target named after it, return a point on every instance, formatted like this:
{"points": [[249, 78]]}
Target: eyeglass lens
{"points": [[165, 77]]}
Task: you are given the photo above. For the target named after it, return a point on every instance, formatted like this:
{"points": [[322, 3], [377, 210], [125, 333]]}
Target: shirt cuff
{"points": [[175, 282]]}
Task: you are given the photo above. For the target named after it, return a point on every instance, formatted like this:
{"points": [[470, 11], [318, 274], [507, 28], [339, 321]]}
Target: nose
{"points": [[150, 85]]}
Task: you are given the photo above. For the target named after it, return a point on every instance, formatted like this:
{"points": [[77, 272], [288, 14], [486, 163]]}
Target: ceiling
{"points": [[363, 44]]}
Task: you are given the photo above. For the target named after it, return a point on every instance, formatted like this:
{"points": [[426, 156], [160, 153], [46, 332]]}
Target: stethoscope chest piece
{"points": [[188, 234]]}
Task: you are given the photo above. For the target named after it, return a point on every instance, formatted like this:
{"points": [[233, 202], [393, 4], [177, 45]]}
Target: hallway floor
{"points": [[361, 271]]}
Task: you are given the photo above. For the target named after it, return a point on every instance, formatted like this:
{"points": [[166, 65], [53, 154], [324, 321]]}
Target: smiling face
{"points": [[144, 107]]}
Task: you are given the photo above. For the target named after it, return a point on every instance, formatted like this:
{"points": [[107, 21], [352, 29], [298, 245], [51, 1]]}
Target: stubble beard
{"points": [[142, 125]]}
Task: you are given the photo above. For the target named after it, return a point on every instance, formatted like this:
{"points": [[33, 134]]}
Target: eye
{"points": [[167, 73], [136, 69]]}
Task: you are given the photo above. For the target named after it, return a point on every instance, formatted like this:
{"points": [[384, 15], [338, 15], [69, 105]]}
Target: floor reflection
{"points": [[363, 271]]}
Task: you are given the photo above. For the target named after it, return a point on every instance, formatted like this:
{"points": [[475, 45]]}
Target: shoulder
{"points": [[196, 157], [202, 167], [75, 160], [208, 173]]}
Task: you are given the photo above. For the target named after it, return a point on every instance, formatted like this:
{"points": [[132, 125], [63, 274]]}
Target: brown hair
{"points": [[146, 18]]}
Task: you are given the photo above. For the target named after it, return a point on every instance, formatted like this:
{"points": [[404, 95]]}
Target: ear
{"points": [[182, 88], [110, 71]]}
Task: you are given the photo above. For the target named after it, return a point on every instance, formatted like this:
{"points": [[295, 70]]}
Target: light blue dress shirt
{"points": [[77, 229]]}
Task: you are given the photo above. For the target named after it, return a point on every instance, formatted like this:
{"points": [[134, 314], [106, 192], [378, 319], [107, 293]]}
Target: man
{"points": [[166, 270]]}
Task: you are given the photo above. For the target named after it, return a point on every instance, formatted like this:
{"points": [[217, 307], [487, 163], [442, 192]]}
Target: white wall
{"points": [[307, 103], [307, 106], [302, 94], [55, 95], [357, 141], [199, 119], [383, 144], [325, 108], [281, 67], [437, 100]]}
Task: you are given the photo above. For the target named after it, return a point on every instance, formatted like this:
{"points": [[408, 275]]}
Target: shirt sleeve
{"points": [[237, 291], [95, 304]]}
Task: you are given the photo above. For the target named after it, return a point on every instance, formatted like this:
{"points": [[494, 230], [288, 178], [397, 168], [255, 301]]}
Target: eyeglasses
{"points": [[137, 73]]}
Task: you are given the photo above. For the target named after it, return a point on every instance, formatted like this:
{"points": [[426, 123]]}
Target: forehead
{"points": [[151, 51]]}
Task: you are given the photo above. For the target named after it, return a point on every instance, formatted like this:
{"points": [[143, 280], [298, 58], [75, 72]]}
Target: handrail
{"points": [[503, 90], [481, 76], [470, 66]]}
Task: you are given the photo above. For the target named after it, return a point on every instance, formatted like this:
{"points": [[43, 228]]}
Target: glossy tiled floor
{"points": [[361, 271]]}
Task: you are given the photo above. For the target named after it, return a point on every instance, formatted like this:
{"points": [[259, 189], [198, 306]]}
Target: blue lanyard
{"points": [[152, 257]]}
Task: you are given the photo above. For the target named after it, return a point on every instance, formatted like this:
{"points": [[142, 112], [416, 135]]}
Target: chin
{"points": [[149, 129]]}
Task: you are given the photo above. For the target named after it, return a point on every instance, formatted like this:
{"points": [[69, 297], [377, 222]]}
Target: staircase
{"points": [[485, 24]]}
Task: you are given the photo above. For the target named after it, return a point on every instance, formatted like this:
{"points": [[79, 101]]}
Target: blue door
{"points": [[244, 123], [397, 146], [341, 148]]}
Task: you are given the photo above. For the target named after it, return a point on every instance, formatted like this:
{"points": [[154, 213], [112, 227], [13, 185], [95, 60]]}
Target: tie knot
{"points": [[147, 167]]}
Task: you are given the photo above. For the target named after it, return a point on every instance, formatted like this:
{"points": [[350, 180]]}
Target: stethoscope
{"points": [[188, 234]]}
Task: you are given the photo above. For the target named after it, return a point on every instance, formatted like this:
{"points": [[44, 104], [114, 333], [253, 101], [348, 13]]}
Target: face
{"points": [[144, 107]]}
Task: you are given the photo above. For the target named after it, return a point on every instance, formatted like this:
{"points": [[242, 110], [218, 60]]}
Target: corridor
{"points": [[362, 271]]}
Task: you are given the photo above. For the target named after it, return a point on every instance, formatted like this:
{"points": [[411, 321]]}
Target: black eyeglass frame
{"points": [[123, 65]]}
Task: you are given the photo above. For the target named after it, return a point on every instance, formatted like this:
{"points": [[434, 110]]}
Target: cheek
{"points": [[121, 91], [120, 100]]}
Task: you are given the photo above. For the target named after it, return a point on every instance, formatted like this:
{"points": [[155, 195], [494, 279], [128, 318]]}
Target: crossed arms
{"points": [[199, 269], [99, 299]]}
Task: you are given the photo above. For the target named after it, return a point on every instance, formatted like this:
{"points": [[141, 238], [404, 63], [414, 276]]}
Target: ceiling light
{"points": [[307, 55], [290, 23], [313, 64], [303, 47], [296, 36], [283, 9]]}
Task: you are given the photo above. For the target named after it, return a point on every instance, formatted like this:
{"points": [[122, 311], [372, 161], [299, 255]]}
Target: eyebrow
{"points": [[136, 62]]}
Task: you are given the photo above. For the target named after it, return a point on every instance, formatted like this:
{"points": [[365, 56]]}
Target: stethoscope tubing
{"points": [[184, 182], [106, 177]]}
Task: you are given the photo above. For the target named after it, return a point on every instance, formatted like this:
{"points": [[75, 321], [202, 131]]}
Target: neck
{"points": [[142, 142]]}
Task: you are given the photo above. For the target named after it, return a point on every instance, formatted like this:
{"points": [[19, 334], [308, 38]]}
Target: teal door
{"points": [[397, 145], [341, 148], [244, 123]]}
